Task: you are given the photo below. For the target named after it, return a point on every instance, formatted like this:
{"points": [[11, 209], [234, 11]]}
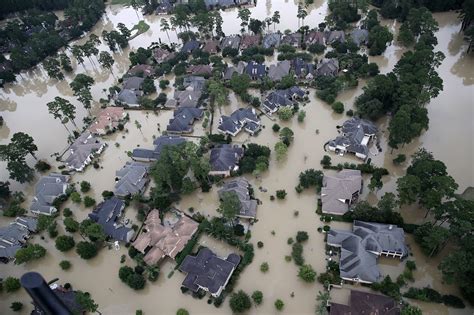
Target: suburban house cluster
{"points": [[14, 236]]}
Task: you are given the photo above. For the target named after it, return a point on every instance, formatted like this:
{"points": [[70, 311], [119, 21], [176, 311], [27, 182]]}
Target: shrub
{"points": [[399, 159], [88, 201], [279, 305], [67, 212], [301, 236], [16, 306], [138, 312], [76, 197], [350, 113], [316, 48], [86, 250], [136, 281], [338, 107], [182, 311], [259, 244], [454, 301], [28, 253], [11, 284], [65, 264], [307, 273], [85, 186], [106, 194], [240, 302], [411, 265], [264, 267], [164, 84], [425, 294], [301, 115], [326, 228], [290, 241], [257, 297], [276, 127], [65, 243], [42, 166], [310, 178], [71, 225], [281, 194], [326, 161], [285, 113], [297, 254]]}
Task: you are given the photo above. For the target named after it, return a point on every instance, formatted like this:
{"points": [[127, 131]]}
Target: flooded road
{"points": [[23, 106]]}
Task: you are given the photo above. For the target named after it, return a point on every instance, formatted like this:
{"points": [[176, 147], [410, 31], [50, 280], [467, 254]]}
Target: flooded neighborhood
{"points": [[197, 254]]}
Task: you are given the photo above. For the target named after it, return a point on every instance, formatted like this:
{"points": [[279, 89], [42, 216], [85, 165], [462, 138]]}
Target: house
{"points": [[208, 272], [356, 135], [314, 37], [241, 118], [275, 100], [190, 46], [158, 241], [82, 151], [131, 179], [335, 36], [361, 248], [133, 83], [183, 120], [211, 47], [160, 54], [328, 67], [141, 71], [231, 42], [248, 41], [224, 4], [363, 303], [67, 296], [164, 7], [240, 187], [224, 159], [229, 72], [255, 70], [303, 70], [129, 97], [295, 93], [47, 190], [187, 98], [199, 70], [109, 215], [145, 155], [272, 40], [293, 39], [14, 236], [360, 36], [196, 83], [340, 191], [107, 120], [278, 71]]}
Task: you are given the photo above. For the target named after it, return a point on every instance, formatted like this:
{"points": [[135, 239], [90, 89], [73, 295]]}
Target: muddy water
{"points": [[23, 106]]}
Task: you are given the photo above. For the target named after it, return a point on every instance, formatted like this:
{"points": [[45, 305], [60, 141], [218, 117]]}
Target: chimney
{"points": [[42, 294]]}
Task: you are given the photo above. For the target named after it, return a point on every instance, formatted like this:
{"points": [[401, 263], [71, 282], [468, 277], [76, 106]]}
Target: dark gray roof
{"points": [[302, 68], [237, 120], [359, 248], [13, 236], [188, 97], [335, 36], [183, 119], [363, 303], [108, 214], [353, 132], [194, 82], [255, 70], [190, 46], [231, 42], [133, 83], [339, 190], [240, 187], [231, 70], [360, 36], [328, 67], [164, 7], [277, 99], [278, 71], [355, 124], [225, 157], [132, 179], [160, 143], [293, 39], [271, 40], [81, 151], [130, 97], [47, 190], [208, 271]]}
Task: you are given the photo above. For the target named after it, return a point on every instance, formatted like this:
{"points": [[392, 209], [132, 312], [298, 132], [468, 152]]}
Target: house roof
{"points": [[130, 97], [188, 98], [339, 188], [271, 40], [190, 46], [229, 72], [314, 37], [293, 39], [237, 120], [360, 247], [360, 36], [47, 190], [132, 179], [301, 67], [158, 241], [196, 83], [133, 83], [211, 46], [363, 303], [279, 98], [164, 7], [278, 71], [208, 271], [141, 70], [232, 41], [81, 149], [200, 69], [328, 66], [183, 119], [240, 187], [108, 214], [255, 70], [160, 143], [13, 236], [335, 36], [107, 118], [249, 41], [354, 124], [225, 157], [160, 54], [353, 132]]}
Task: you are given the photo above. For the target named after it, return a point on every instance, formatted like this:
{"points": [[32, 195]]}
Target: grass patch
{"points": [[141, 27]]}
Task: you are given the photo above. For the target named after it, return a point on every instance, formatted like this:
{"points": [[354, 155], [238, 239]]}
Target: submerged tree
{"points": [[63, 110]]}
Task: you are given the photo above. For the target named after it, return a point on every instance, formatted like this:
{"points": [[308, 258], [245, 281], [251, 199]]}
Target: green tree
{"points": [[16, 306], [281, 151], [229, 206], [65, 264], [279, 304], [28, 253], [53, 68], [257, 297], [71, 225], [106, 60], [307, 273], [85, 186], [411, 310], [264, 267], [165, 27], [63, 110], [301, 116], [89, 201], [255, 26], [286, 136], [431, 238], [323, 299], [240, 302], [85, 300], [65, 243], [379, 37], [244, 16], [285, 113], [276, 18], [23, 143], [182, 311], [11, 284], [240, 83], [86, 250], [218, 93], [65, 62]]}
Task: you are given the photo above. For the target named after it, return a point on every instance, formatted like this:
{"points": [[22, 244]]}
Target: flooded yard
{"points": [[23, 107]]}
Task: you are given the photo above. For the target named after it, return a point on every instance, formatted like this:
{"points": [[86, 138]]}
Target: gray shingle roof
{"points": [[194, 82], [360, 36], [160, 143], [340, 190], [47, 190], [328, 67], [231, 70], [133, 83], [13, 236], [335, 36], [354, 131], [240, 187], [255, 70], [188, 97], [108, 215], [183, 119], [130, 97], [208, 271], [82, 150], [225, 157], [278, 71], [231, 42], [132, 179], [302, 68], [293, 39], [237, 120], [271, 40], [190, 46], [314, 37]]}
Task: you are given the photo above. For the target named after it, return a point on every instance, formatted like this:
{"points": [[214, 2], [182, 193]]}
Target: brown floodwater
{"points": [[23, 106]]}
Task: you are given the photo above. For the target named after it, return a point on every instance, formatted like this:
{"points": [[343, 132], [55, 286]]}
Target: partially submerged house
{"points": [[293, 39], [335, 36], [255, 70], [131, 179], [232, 42], [248, 41], [183, 120], [229, 72], [187, 98], [242, 118], [146, 155], [160, 55], [314, 37], [158, 241], [82, 151], [280, 70], [225, 159], [15, 235], [360, 36], [364, 303], [211, 46], [131, 92], [205, 70], [208, 272], [303, 70], [356, 135], [361, 247], [164, 7], [196, 83], [133, 83], [340, 191], [241, 188], [142, 71], [282, 98], [47, 190], [107, 120], [190, 46], [328, 67], [109, 215], [271, 40]]}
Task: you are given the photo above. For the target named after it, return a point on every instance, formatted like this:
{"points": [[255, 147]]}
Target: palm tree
{"points": [[78, 53], [165, 27], [275, 19], [174, 24], [106, 61], [302, 14], [323, 298], [244, 15]]}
